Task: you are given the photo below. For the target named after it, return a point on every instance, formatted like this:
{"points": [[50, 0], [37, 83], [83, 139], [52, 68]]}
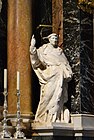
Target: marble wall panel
{"points": [[72, 49], [87, 67], [78, 47]]}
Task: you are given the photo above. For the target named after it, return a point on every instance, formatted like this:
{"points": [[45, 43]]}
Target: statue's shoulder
{"points": [[43, 47]]}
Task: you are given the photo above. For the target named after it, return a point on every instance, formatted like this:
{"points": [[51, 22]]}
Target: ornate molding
{"points": [[86, 5]]}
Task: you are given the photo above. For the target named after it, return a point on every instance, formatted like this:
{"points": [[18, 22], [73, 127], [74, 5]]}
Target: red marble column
{"points": [[57, 19], [19, 35]]}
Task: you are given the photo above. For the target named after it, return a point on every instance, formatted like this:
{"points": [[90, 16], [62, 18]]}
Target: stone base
{"points": [[56, 129], [83, 124], [53, 131], [80, 128]]}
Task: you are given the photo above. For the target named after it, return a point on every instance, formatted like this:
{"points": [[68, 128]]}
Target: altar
{"points": [[73, 22]]}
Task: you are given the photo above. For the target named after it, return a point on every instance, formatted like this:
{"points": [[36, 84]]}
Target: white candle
{"points": [[18, 80], [5, 78]]}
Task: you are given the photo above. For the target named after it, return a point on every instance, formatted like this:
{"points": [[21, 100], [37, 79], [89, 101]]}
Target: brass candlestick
{"points": [[5, 133], [18, 133]]}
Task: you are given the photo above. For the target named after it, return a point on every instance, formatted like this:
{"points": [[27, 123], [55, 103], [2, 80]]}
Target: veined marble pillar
{"points": [[78, 47], [57, 19], [19, 35]]}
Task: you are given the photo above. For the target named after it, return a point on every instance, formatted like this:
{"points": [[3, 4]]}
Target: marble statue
{"points": [[54, 72]]}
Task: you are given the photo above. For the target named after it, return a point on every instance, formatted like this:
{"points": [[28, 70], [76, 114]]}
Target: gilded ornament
{"points": [[86, 5]]}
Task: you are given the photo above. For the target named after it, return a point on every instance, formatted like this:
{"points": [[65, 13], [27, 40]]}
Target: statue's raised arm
{"points": [[34, 55]]}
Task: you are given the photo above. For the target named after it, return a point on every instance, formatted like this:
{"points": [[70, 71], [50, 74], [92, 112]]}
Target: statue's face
{"points": [[53, 40]]}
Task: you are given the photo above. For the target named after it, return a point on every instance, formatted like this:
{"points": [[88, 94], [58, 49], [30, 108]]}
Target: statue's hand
{"points": [[33, 42]]}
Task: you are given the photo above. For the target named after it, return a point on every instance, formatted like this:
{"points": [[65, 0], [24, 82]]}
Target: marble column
{"points": [[19, 34], [87, 65], [78, 47], [57, 19]]}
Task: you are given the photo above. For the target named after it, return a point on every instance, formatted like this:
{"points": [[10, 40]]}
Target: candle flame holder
{"points": [[5, 133], [18, 133]]}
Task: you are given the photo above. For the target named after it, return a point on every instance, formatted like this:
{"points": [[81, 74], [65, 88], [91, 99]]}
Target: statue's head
{"points": [[53, 39]]}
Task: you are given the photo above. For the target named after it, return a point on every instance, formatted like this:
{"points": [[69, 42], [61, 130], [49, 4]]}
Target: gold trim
{"points": [[86, 5]]}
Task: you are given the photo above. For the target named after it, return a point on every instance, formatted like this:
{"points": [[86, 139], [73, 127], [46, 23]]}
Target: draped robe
{"points": [[54, 72]]}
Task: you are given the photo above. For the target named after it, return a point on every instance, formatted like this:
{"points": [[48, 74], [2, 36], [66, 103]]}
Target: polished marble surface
{"points": [[78, 47]]}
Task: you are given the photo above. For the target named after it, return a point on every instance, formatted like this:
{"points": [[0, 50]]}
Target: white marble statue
{"points": [[54, 72]]}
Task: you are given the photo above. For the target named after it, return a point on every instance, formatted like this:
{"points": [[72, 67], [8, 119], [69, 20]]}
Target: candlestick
{"points": [[18, 133], [5, 133], [18, 80], [5, 78]]}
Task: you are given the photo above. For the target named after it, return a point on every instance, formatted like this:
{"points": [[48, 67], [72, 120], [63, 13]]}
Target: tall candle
{"points": [[18, 80], [5, 78]]}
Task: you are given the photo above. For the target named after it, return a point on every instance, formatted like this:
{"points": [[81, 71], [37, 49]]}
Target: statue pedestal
{"points": [[81, 127], [52, 131]]}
